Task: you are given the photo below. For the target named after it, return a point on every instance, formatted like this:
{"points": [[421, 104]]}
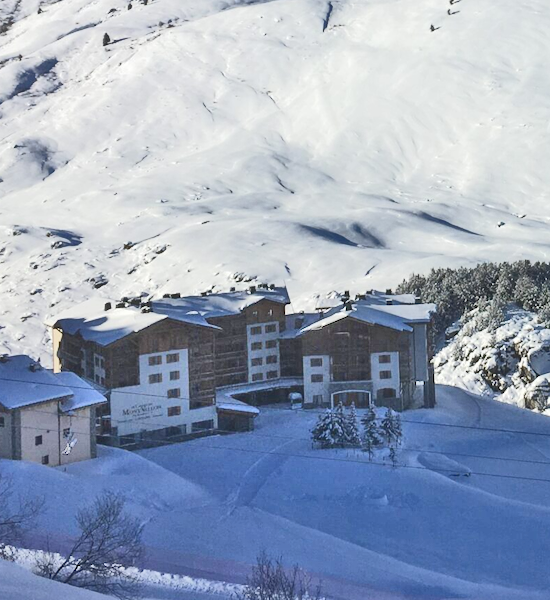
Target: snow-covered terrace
{"points": [[225, 396]]}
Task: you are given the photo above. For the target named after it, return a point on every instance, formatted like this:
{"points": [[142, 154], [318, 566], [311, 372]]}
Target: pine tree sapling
{"points": [[106, 39], [371, 432], [391, 427], [328, 431], [351, 431]]}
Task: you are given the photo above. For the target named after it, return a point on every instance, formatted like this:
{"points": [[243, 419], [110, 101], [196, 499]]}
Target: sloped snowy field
{"points": [[465, 515], [334, 146]]}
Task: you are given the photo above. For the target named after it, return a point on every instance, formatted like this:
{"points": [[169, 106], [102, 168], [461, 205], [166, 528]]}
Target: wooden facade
{"points": [[350, 343]]}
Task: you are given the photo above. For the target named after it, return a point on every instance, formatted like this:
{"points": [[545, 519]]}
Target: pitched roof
{"points": [[23, 383], [218, 305], [395, 312], [95, 324]]}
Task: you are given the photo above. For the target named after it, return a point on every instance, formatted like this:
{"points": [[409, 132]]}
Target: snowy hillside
{"points": [[334, 145], [465, 514], [509, 361]]}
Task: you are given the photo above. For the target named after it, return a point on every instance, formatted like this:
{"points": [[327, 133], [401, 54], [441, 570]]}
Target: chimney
{"points": [[388, 292], [418, 300], [166, 295], [176, 295], [252, 289], [34, 367], [389, 301], [232, 289], [348, 306], [108, 306]]}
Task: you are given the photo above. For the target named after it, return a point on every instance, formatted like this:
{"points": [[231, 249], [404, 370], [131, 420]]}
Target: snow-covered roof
{"points": [[23, 382], [393, 311], [95, 324], [83, 394], [234, 405], [218, 305], [365, 314]]}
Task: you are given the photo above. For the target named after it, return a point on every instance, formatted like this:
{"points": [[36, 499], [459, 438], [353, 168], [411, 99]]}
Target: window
{"points": [[316, 362], [271, 344], [67, 432], [96, 361], [257, 376], [271, 328], [194, 404], [255, 314], [272, 374], [316, 378], [270, 312], [317, 399], [174, 375], [2, 422], [97, 379], [38, 440], [255, 362], [174, 411], [46, 460], [202, 425], [256, 346], [385, 374], [177, 430], [387, 393], [255, 330], [174, 393], [384, 359], [271, 359], [155, 378], [172, 358], [155, 360]]}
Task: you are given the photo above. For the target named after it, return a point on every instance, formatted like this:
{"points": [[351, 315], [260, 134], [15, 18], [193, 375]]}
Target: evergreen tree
{"points": [[328, 431], [371, 432], [106, 39], [351, 431], [341, 424], [391, 427]]}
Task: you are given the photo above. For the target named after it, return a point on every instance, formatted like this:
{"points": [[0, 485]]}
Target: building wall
{"points": [[266, 335], [44, 421], [6, 446], [377, 368], [57, 334], [147, 406], [231, 354], [317, 393]]}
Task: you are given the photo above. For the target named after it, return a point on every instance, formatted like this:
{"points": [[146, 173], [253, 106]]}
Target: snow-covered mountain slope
{"points": [[334, 145], [508, 361]]}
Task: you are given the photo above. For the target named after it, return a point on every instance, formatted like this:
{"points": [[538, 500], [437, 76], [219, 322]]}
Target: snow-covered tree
{"points": [[328, 431], [391, 427], [351, 430], [371, 432], [538, 396]]}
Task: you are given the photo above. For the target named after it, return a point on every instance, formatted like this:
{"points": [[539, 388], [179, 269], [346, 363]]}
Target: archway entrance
{"points": [[361, 398]]}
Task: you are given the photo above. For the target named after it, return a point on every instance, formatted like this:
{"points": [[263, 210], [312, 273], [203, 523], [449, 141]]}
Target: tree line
{"points": [[490, 286]]}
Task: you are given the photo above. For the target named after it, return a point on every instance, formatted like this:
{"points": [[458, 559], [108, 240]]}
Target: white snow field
{"points": [[334, 145], [466, 514]]}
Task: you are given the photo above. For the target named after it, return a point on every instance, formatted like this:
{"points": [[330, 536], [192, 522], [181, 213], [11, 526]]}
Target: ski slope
{"points": [[336, 145], [464, 515]]}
